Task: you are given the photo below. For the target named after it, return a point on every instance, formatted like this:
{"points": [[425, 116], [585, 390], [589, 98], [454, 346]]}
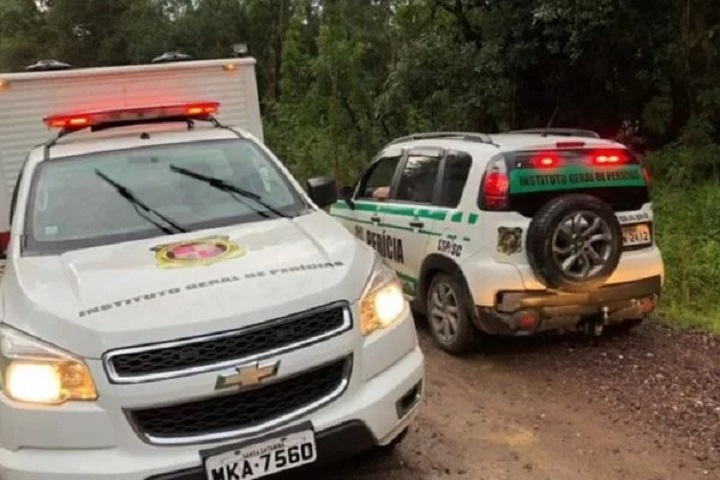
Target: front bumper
{"points": [[332, 444], [84, 441], [552, 311], [352, 424]]}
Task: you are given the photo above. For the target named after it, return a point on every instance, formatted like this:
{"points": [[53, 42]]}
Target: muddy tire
{"points": [[449, 315], [574, 243]]}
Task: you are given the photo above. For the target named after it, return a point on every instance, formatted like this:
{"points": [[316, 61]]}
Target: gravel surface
{"points": [[640, 406], [663, 380]]}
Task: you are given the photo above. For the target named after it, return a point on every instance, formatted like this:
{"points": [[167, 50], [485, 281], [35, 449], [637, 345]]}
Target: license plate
{"points": [[634, 235], [263, 458]]}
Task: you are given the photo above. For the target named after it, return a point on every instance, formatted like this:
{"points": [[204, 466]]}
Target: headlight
{"points": [[382, 302], [35, 372]]}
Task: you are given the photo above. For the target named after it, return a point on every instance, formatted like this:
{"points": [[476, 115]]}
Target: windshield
{"points": [[123, 195]]}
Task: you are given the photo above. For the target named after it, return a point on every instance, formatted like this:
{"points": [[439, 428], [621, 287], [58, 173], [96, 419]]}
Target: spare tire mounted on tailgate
{"points": [[574, 243]]}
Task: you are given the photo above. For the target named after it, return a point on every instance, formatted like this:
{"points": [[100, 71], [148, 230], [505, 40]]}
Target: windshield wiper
{"points": [[228, 187], [141, 207]]}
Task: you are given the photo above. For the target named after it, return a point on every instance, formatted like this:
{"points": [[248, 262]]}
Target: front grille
{"points": [[243, 412], [187, 356]]}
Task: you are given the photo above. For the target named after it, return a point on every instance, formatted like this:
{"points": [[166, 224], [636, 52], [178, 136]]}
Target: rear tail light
{"points": [[4, 241], [646, 174], [546, 160], [495, 186], [609, 158]]}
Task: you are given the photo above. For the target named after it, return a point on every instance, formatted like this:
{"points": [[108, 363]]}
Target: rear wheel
{"points": [[449, 315]]}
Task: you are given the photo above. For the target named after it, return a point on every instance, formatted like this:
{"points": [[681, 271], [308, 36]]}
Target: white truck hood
{"points": [[91, 300]]}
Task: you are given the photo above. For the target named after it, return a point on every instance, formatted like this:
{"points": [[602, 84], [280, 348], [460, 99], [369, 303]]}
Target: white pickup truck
{"points": [[175, 305]]}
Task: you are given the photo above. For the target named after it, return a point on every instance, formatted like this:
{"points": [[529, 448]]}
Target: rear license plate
{"points": [[638, 234], [264, 458]]}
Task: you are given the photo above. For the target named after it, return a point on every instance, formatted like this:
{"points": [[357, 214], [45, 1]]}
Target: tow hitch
{"points": [[595, 325]]}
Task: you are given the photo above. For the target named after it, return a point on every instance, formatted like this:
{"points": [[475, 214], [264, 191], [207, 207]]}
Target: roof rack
{"points": [[564, 132], [168, 57], [47, 66], [469, 136]]}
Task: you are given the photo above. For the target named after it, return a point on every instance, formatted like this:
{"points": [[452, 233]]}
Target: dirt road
{"points": [[644, 406]]}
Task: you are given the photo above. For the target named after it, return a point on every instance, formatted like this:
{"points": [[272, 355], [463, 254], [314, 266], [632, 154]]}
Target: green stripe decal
{"points": [[409, 283], [399, 210], [575, 176], [472, 219], [456, 217]]}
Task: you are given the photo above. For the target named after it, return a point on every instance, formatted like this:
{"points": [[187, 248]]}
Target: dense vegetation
{"points": [[340, 77]]}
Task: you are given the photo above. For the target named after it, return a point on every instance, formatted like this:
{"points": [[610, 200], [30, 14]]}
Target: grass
{"points": [[687, 222]]}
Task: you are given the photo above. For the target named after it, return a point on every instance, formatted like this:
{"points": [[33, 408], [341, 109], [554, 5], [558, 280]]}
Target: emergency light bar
{"points": [[182, 111]]}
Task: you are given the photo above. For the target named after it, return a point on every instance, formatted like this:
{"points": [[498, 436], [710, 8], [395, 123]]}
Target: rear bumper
{"points": [[554, 310]]}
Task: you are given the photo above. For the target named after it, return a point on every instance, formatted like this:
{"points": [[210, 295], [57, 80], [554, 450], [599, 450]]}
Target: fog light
{"points": [[408, 401]]}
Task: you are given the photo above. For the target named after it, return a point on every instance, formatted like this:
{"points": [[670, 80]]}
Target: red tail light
{"points": [[609, 158], [495, 186], [4, 241], [548, 160], [646, 174]]}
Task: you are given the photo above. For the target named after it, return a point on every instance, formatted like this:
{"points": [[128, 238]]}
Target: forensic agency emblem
{"points": [[509, 240], [194, 253]]}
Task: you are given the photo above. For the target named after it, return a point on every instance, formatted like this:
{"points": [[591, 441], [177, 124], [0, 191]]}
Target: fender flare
{"points": [[433, 263]]}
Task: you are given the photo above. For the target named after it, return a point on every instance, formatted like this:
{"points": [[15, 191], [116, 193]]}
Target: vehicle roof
{"points": [[502, 142], [120, 138]]}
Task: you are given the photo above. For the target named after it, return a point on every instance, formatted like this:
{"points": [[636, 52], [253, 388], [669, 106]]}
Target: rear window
{"points": [[73, 203]]}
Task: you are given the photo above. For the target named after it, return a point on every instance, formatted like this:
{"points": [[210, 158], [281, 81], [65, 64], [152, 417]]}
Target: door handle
{"points": [[375, 218], [417, 224]]}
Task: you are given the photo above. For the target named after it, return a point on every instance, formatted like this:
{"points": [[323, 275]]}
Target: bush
{"points": [[686, 197]]}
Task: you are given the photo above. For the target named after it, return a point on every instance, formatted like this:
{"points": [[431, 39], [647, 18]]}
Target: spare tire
{"points": [[574, 243]]}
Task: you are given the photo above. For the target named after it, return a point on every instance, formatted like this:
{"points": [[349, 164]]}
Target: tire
{"points": [[448, 306], [579, 227]]}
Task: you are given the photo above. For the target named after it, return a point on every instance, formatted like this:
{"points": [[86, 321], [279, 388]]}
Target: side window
{"points": [[418, 179], [455, 173], [380, 175]]}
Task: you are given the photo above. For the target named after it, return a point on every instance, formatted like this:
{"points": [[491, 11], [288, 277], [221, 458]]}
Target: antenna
{"points": [[552, 118]]}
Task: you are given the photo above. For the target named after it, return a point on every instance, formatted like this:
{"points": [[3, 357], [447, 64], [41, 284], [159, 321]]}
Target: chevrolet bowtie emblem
{"points": [[249, 374]]}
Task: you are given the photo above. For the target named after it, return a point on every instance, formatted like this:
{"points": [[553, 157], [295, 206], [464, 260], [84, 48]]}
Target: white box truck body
{"points": [[27, 98]]}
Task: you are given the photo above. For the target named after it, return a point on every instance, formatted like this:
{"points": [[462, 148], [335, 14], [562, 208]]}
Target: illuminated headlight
{"points": [[33, 371], [382, 302]]}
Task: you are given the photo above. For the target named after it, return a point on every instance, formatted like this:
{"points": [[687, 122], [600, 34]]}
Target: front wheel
{"points": [[449, 317]]}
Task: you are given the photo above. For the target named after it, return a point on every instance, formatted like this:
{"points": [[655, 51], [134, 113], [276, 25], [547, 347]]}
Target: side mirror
{"points": [[346, 193], [322, 191]]}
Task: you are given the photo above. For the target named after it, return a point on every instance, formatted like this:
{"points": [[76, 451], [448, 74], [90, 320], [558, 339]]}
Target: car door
{"points": [[409, 216], [362, 216]]}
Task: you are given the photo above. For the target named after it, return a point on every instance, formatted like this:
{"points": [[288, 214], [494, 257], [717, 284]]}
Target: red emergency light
{"points": [[77, 120]]}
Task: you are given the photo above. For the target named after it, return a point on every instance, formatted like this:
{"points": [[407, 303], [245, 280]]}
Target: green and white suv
{"points": [[513, 233]]}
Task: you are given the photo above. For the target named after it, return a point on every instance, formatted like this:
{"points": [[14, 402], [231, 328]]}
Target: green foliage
{"points": [[339, 78], [688, 231]]}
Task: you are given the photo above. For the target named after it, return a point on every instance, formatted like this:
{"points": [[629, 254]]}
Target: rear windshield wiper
{"points": [[142, 208], [228, 187]]}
